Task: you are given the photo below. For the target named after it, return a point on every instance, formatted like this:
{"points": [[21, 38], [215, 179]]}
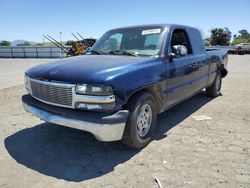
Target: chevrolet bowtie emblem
{"points": [[53, 73]]}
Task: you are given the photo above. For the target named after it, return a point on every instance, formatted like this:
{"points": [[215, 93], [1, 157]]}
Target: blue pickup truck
{"points": [[130, 75]]}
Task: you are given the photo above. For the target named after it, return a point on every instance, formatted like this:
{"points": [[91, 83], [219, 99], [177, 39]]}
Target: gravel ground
{"points": [[202, 142]]}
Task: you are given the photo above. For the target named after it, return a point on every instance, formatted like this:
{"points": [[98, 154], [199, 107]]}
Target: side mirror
{"points": [[179, 50], [171, 56]]}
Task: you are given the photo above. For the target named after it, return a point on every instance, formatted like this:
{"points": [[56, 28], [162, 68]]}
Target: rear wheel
{"points": [[214, 89], [141, 121]]}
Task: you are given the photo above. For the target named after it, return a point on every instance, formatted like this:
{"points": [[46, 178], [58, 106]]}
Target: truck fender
{"points": [[155, 90]]}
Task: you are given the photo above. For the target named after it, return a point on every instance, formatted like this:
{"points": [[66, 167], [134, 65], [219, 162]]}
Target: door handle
{"points": [[194, 64]]}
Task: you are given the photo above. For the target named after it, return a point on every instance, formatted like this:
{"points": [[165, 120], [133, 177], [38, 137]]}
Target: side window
{"points": [[180, 44]]}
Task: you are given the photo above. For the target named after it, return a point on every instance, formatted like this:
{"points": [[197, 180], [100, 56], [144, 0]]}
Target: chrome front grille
{"points": [[52, 93]]}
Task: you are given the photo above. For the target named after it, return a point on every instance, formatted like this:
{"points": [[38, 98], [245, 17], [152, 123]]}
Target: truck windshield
{"points": [[132, 41]]}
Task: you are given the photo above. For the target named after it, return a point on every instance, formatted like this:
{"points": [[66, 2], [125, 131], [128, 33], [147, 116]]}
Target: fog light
{"points": [[81, 106], [85, 106], [95, 107]]}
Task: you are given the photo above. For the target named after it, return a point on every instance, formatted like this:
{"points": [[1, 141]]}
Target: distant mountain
{"points": [[16, 42]]}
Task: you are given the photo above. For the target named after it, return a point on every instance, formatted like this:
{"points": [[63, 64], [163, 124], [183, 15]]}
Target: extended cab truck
{"points": [[130, 75]]}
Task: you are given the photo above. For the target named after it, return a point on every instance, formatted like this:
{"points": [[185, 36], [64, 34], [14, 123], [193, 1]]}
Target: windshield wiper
{"points": [[95, 52], [123, 52]]}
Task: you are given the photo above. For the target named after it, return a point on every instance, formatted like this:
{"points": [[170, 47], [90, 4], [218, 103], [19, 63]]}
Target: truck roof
{"points": [[155, 25]]}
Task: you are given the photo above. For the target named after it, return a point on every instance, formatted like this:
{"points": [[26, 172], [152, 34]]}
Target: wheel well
{"points": [[222, 70], [156, 92]]}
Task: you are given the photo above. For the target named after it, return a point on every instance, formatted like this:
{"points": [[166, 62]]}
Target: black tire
{"points": [[214, 89], [131, 136]]}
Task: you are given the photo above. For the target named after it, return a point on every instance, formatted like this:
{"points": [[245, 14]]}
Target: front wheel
{"points": [[141, 122], [214, 89]]}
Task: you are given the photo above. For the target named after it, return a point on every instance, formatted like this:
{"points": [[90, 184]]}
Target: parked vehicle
{"points": [[129, 76], [243, 45], [239, 51]]}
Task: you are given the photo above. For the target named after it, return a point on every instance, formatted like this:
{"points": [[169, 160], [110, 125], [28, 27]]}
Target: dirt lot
{"points": [[202, 142]]}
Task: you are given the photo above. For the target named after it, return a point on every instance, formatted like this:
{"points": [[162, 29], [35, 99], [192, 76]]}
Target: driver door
{"points": [[180, 69]]}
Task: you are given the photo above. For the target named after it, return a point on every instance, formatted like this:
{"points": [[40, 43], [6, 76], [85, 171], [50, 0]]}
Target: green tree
{"points": [[24, 44], [39, 44], [244, 34], [220, 36], [242, 37], [4, 43], [240, 40]]}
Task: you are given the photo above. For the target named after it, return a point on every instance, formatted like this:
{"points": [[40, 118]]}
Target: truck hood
{"points": [[86, 68]]}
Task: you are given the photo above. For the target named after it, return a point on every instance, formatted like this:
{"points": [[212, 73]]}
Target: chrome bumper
{"points": [[109, 128]]}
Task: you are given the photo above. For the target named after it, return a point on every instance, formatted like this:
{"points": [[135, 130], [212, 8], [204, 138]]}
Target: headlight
{"points": [[94, 89], [98, 91]]}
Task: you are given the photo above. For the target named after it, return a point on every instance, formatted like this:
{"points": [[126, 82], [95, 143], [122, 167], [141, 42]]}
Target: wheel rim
{"points": [[218, 84], [144, 120]]}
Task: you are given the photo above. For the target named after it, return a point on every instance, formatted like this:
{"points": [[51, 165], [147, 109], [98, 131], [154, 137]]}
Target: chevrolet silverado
{"points": [[130, 75]]}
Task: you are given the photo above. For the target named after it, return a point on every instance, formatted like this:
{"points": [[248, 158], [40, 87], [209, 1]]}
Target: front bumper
{"points": [[105, 127]]}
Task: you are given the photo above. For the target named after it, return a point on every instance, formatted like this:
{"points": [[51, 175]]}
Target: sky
{"points": [[30, 19]]}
